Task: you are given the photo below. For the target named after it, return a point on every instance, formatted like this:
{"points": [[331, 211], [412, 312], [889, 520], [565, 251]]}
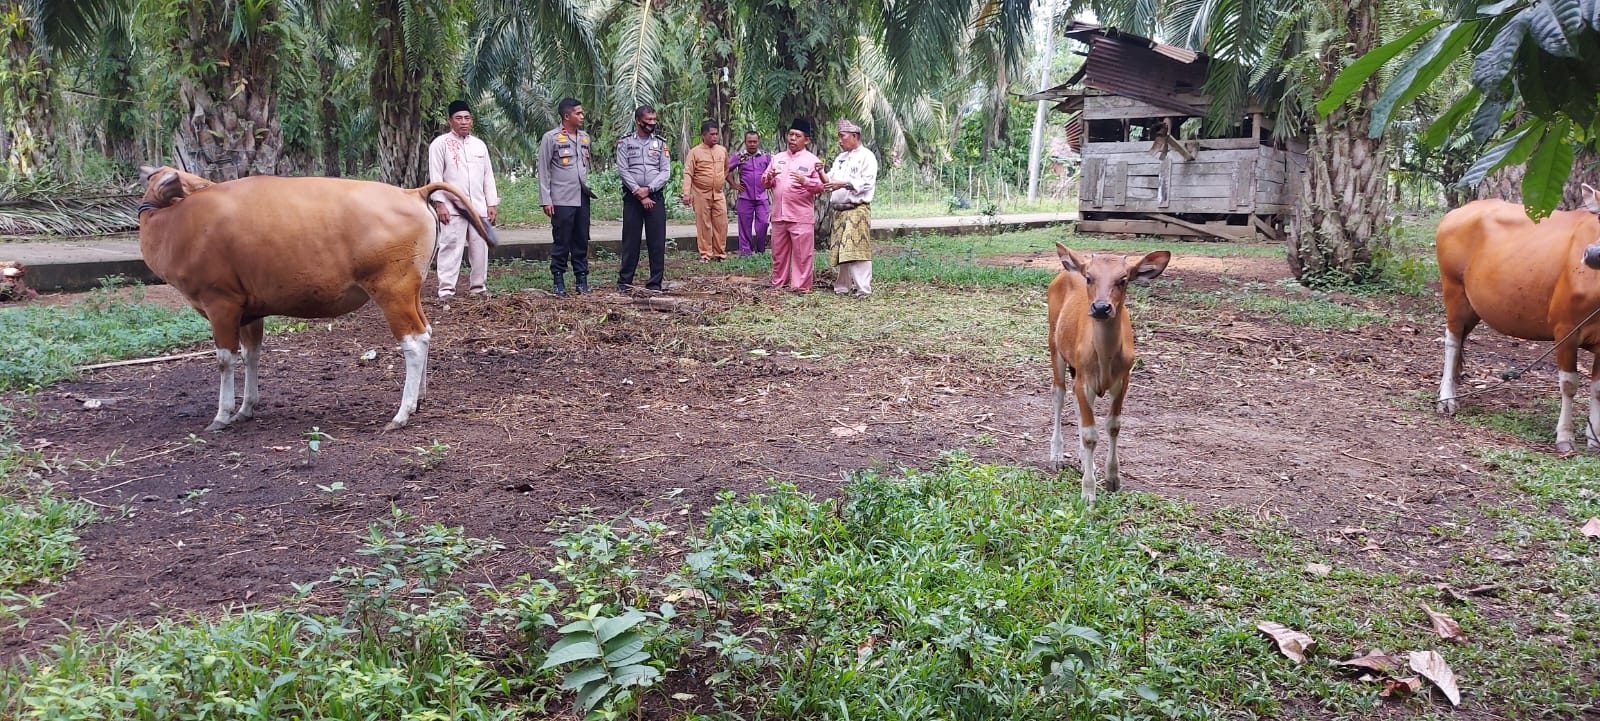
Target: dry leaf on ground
{"points": [[1397, 686], [1291, 642], [1378, 661], [1432, 667], [1591, 529], [847, 431], [1443, 624], [1318, 569]]}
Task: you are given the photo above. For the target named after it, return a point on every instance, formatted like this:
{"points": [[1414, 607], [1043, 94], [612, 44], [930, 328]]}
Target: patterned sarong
{"points": [[852, 235]]}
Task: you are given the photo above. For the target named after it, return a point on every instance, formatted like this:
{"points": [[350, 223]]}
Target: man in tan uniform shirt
{"points": [[705, 173]]}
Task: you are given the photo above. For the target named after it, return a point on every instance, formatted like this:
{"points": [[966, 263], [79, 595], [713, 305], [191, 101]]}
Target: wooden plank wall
{"points": [[1223, 178]]}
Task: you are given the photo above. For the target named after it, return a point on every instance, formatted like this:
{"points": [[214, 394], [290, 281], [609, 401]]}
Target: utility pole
{"points": [[1038, 115]]}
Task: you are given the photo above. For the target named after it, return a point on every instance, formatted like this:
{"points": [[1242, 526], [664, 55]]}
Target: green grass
{"points": [[904, 208], [1315, 310], [1044, 240], [1535, 424], [963, 591], [932, 298], [38, 527], [41, 344], [933, 595], [997, 325], [398, 650]]}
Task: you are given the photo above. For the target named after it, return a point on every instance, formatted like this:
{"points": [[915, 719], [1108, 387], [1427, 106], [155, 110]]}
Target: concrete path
{"points": [[79, 264]]}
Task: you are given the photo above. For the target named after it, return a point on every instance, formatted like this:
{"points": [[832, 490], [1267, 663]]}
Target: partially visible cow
{"points": [[1535, 281], [1091, 339], [304, 247], [12, 286]]}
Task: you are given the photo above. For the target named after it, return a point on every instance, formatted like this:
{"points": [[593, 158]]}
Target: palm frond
{"points": [[51, 213], [636, 65]]}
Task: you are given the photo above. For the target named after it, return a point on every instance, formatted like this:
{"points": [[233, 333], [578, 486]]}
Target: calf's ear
{"points": [[1591, 199], [1070, 260], [1151, 265]]}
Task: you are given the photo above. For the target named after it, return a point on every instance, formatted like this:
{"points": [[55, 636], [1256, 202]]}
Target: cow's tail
{"points": [[484, 229]]}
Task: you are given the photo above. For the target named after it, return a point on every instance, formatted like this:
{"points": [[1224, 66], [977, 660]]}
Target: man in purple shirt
{"points": [[751, 201]]}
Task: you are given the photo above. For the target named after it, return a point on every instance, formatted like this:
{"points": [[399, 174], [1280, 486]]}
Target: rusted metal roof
{"points": [[1135, 67], [1082, 31]]}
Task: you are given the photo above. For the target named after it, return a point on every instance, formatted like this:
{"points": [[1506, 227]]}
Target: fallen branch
{"points": [[143, 361]]}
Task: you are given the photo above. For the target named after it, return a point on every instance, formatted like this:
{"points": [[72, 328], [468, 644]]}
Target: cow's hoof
{"points": [[1113, 484], [217, 426], [1447, 407], [1565, 448], [393, 425]]}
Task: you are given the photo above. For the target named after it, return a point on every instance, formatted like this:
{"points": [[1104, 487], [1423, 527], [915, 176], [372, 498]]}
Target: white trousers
{"points": [[453, 240], [855, 275]]}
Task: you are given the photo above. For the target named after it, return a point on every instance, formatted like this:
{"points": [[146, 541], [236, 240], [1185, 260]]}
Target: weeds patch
{"points": [[963, 591], [41, 344]]}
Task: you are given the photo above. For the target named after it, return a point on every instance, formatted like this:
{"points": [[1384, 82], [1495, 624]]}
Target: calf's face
{"points": [[1107, 276]]}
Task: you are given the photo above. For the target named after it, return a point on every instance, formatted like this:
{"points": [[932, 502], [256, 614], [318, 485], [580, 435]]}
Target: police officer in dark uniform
{"points": [[564, 193], [644, 165]]}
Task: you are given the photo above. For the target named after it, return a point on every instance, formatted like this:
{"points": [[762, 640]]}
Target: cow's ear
{"points": [[1151, 265], [1591, 198], [168, 189], [145, 171], [1070, 260]]}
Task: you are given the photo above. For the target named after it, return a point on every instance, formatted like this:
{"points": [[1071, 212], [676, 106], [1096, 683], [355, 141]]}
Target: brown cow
{"points": [[1526, 280], [304, 247], [1091, 338]]}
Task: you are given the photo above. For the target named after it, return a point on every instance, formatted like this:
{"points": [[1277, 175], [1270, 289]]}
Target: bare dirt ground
{"points": [[552, 406]]}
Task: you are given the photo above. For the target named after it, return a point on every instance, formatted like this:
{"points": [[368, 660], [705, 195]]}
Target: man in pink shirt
{"points": [[795, 177]]}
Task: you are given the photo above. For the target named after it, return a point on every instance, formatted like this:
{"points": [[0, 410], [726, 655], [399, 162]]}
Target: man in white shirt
{"points": [[851, 181], [461, 159]]}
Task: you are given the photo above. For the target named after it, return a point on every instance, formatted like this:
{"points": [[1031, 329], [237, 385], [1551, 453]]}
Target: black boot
{"points": [[557, 284], [583, 282]]}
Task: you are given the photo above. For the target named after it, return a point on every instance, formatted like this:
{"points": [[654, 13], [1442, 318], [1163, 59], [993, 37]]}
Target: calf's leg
{"points": [[1113, 428], [1058, 398], [1087, 440]]}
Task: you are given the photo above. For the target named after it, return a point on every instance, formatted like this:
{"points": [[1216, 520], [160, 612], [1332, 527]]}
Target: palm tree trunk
{"points": [[1585, 170], [719, 101], [397, 102], [330, 118], [1503, 184], [1344, 197], [229, 126], [26, 87], [996, 129]]}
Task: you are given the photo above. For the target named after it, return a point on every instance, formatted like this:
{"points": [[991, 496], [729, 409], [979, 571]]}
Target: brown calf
{"points": [[304, 247], [1091, 338], [1536, 281]]}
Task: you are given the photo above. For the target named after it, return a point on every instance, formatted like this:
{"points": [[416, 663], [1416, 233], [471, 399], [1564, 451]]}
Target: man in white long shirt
{"points": [[851, 181], [461, 159]]}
